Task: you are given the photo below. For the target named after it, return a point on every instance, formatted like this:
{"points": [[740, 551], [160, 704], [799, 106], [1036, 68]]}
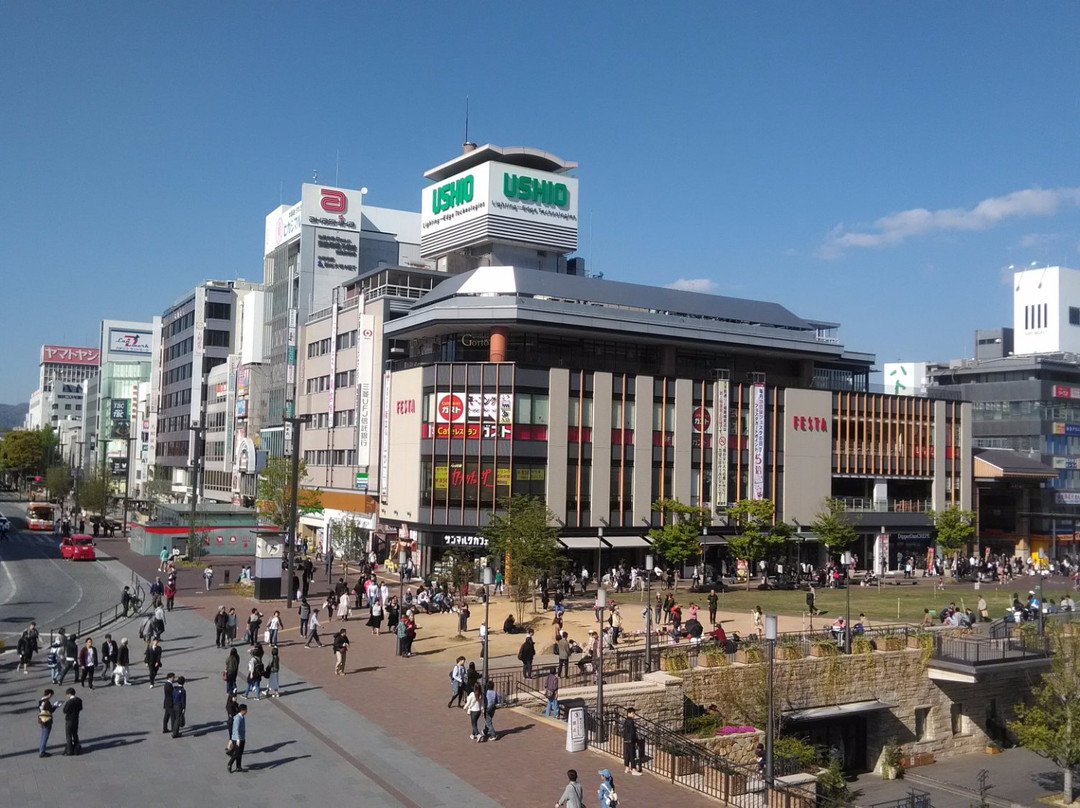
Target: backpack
{"points": [[612, 799], [53, 659], [259, 671]]}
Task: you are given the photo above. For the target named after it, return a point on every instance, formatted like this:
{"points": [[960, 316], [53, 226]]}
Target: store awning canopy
{"points": [[837, 710], [581, 542], [626, 541]]}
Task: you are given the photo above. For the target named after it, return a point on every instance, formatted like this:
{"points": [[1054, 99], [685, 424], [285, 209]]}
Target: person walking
{"points": [[273, 671], [255, 673], [573, 795], [305, 615], [46, 708], [563, 649], [88, 660], [551, 693], [254, 622], [605, 795], [126, 600], [24, 648], [344, 606], [179, 706], [526, 654], [153, 659], [170, 593], [375, 620], [109, 651], [313, 631], [71, 659], [474, 706], [274, 626], [167, 703], [72, 710], [341, 652], [232, 707], [457, 683], [232, 668], [123, 664], [491, 702], [208, 577], [221, 627], [233, 625], [53, 660], [237, 739], [713, 600], [631, 743]]}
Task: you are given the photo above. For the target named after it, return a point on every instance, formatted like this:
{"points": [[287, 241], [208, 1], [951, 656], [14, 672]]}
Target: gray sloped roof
{"points": [[520, 282]]}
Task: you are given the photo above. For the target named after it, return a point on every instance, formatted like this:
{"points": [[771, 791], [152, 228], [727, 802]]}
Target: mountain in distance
{"points": [[12, 415]]}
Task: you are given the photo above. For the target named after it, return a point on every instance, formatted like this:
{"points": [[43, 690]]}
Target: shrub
{"points": [[788, 746]]}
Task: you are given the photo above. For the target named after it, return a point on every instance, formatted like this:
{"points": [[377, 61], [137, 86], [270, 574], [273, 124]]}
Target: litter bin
{"points": [[575, 729]]}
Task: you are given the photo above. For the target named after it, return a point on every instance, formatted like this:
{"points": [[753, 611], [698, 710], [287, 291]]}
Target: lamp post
{"points": [[650, 564], [847, 608], [489, 577], [196, 459], [601, 602], [770, 645], [1040, 607], [292, 448], [402, 556], [599, 550]]}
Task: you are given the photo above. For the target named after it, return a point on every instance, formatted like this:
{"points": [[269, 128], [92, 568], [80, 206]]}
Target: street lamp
{"points": [[489, 577], [650, 564], [292, 446], [770, 645], [601, 603], [402, 557]]}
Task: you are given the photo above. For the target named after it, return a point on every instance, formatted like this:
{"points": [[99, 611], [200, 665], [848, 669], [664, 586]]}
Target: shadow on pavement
{"points": [[294, 691], [267, 749], [273, 764], [514, 730], [91, 746]]}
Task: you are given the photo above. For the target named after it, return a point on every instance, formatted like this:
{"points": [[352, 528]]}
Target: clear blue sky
{"points": [[873, 164]]}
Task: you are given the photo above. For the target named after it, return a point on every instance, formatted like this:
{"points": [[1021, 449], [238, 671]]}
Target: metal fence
{"points": [[96, 622], [914, 799]]}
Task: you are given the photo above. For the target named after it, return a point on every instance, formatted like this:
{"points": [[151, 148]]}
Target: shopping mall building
{"points": [[519, 373]]}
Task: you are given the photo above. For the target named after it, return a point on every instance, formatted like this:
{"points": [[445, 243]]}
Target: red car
{"points": [[78, 547]]}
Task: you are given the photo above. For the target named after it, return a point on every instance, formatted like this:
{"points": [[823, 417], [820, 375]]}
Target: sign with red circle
{"points": [[451, 408], [702, 419]]}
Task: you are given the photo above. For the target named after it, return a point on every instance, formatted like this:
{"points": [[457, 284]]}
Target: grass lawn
{"points": [[903, 604]]}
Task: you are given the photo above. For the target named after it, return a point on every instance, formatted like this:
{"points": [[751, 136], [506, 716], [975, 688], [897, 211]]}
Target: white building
{"points": [[1046, 310]]}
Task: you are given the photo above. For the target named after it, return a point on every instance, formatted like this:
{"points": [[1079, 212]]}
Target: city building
{"points": [[62, 370]]}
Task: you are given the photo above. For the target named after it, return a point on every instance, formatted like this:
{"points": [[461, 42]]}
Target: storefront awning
{"points": [[627, 541], [314, 520], [581, 542], [837, 710]]}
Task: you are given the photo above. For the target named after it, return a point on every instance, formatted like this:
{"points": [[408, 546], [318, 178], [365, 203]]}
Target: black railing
{"points": [[914, 799], [105, 617], [986, 650]]}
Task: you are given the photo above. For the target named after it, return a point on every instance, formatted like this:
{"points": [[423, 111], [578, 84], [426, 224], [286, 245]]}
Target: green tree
{"points": [[522, 535], [28, 452], [460, 565], [275, 493], [833, 526], [58, 482], [348, 539], [679, 539], [158, 488], [954, 527], [1049, 725], [758, 534], [94, 494]]}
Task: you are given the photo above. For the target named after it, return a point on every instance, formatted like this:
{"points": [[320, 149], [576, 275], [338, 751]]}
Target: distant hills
{"points": [[12, 415]]}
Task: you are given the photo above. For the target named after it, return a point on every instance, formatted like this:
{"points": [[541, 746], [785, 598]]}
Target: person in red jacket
{"points": [[170, 594]]}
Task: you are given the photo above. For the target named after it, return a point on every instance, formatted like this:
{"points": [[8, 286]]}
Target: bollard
{"points": [[226, 577]]}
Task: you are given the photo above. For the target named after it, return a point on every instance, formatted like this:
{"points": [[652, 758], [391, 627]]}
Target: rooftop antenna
{"points": [[468, 145], [337, 166], [315, 174]]}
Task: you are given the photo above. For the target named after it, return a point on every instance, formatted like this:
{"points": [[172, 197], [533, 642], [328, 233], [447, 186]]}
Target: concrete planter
{"points": [[824, 650], [891, 644], [735, 785], [749, 656], [674, 765], [789, 652]]}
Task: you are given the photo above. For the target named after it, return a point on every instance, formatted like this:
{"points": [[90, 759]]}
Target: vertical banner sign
{"points": [[384, 473], [720, 443], [197, 366], [290, 365], [333, 355], [883, 553], [929, 558], [758, 472], [365, 345], [289, 438]]}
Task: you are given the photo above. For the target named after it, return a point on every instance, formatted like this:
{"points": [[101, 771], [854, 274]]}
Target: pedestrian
{"points": [[483, 638], [88, 660], [208, 577], [221, 627], [474, 706], [71, 659], [125, 600], [274, 626], [167, 702], [551, 693], [273, 670], [255, 671], [341, 651], [410, 634], [305, 615], [713, 600], [23, 650], [457, 682], [526, 654], [46, 708], [123, 664], [375, 620], [163, 556], [232, 707], [463, 617], [606, 796], [236, 741], [491, 702], [157, 589], [631, 742], [170, 593], [329, 604], [109, 651], [231, 625], [72, 708], [179, 706], [232, 668], [313, 631], [53, 660], [254, 621], [563, 649], [153, 659], [573, 795]]}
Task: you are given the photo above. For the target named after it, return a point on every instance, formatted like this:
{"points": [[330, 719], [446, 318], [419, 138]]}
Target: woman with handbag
{"points": [[375, 621], [474, 706], [232, 666]]}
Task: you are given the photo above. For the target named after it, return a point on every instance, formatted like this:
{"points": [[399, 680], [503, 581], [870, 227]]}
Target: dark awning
{"points": [[837, 710]]}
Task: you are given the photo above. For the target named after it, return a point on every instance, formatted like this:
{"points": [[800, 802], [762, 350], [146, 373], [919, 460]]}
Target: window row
{"points": [[180, 324], [330, 457], [318, 348], [177, 399], [218, 311], [177, 374], [181, 348]]}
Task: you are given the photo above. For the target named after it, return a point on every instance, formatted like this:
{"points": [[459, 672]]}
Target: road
{"points": [[37, 584]]}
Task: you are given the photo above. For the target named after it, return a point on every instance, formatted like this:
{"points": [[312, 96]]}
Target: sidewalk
{"points": [[406, 699]]}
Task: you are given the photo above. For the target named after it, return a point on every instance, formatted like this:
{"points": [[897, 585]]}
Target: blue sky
{"points": [[878, 165]]}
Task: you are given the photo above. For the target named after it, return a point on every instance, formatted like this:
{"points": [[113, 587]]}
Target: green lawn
{"points": [[889, 604]]}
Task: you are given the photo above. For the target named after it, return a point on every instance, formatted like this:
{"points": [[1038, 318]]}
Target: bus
{"points": [[39, 516]]}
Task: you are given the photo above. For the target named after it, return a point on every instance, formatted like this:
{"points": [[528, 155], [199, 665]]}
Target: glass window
{"points": [[524, 409], [540, 409]]}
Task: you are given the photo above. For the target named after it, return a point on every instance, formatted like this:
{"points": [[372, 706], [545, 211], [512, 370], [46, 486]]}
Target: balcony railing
{"points": [[887, 505]]}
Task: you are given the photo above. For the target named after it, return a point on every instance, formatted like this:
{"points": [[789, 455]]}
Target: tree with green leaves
{"points": [[158, 488], [275, 493], [94, 494], [758, 534], [58, 482], [348, 539], [28, 452], [460, 565], [522, 535], [678, 539], [833, 526], [1049, 725], [954, 526]]}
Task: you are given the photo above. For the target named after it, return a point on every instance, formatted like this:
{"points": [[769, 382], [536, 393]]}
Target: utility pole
{"points": [[292, 449], [196, 461]]}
